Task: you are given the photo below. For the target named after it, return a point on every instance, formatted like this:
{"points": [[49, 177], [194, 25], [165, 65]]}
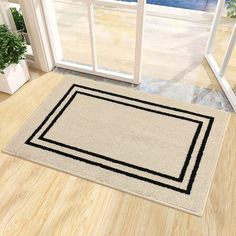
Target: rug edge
{"points": [[216, 163]]}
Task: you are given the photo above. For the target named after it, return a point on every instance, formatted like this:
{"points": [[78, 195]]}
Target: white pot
{"points": [[14, 77]]}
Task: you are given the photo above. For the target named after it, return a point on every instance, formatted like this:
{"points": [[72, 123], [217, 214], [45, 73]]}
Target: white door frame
{"points": [[35, 24], [51, 24], [219, 71]]}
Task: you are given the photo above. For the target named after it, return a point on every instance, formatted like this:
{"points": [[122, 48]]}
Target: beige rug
{"points": [[139, 143]]}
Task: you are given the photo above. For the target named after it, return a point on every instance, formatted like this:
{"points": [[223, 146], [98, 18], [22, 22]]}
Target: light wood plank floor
{"points": [[35, 200]]}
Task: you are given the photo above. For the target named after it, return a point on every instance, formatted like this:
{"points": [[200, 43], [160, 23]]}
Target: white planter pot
{"points": [[14, 77]]}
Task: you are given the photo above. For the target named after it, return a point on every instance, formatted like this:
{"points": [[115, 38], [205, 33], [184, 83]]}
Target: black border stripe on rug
{"points": [[181, 176], [187, 160]]}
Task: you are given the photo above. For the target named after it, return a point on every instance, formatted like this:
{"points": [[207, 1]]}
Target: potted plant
{"points": [[231, 8], [20, 23], [13, 68]]}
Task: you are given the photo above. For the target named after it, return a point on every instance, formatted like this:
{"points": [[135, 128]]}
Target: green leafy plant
{"points": [[12, 48], [18, 19], [231, 8]]}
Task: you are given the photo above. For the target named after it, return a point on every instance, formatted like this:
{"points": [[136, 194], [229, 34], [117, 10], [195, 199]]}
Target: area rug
{"points": [[139, 143]]}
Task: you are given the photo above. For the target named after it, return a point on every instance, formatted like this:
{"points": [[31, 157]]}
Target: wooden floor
{"points": [[35, 200]]}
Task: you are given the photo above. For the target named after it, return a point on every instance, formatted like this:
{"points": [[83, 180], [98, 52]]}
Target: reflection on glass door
{"points": [[98, 37], [115, 39], [73, 29]]}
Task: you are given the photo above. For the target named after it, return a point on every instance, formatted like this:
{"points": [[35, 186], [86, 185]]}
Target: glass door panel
{"points": [[222, 37], [115, 39], [73, 29], [100, 37], [220, 51], [17, 17]]}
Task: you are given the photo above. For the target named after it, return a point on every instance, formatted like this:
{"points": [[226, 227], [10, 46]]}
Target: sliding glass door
{"points": [[222, 60], [97, 37]]}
